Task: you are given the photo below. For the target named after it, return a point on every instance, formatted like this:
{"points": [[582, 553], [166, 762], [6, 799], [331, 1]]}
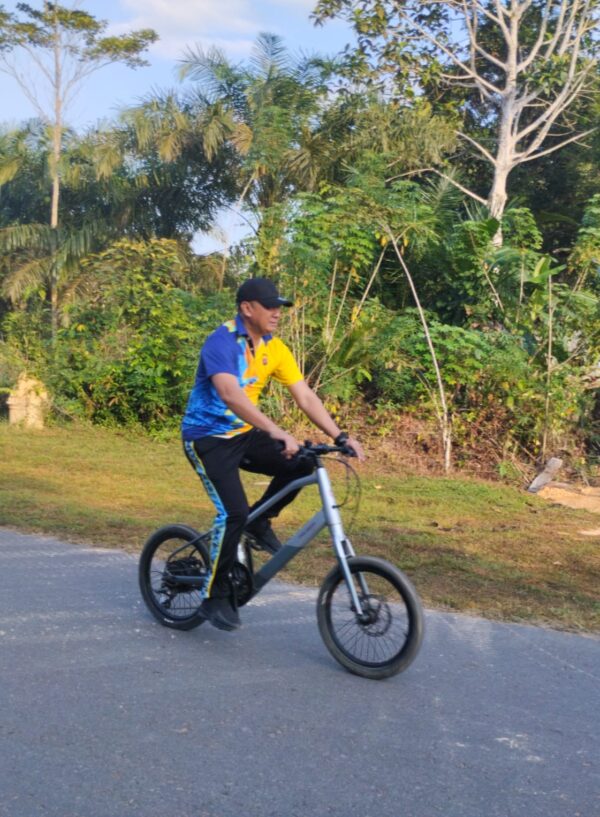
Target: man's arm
{"points": [[234, 397], [316, 412]]}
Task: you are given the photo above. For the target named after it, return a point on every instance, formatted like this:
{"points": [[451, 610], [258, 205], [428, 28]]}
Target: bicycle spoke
{"points": [[171, 559], [381, 633]]}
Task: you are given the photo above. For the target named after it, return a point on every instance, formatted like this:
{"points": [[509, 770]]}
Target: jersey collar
{"points": [[240, 328]]}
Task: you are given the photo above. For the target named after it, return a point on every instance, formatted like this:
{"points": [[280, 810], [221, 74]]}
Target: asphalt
{"points": [[105, 713]]}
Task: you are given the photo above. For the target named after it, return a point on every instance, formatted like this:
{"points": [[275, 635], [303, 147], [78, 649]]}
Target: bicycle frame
{"points": [[329, 516]]}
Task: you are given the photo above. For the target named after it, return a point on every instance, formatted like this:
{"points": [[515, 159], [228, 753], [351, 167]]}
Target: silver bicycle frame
{"points": [[329, 516]]}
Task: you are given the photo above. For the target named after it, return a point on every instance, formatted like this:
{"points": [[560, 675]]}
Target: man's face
{"points": [[259, 318]]}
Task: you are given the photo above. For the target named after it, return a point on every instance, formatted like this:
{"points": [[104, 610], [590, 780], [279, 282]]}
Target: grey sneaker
{"points": [[264, 536]]}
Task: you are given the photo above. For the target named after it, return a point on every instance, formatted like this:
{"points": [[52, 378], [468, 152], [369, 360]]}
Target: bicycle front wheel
{"points": [[385, 639], [173, 553]]}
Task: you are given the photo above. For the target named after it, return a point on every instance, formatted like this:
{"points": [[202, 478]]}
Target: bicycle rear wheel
{"points": [[170, 553], [386, 638]]}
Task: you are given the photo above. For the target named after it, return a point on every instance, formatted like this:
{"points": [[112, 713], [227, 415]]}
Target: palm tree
{"points": [[269, 111], [37, 255]]}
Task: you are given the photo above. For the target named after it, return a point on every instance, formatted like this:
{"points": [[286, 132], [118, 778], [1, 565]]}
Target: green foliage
{"points": [[38, 29], [267, 110], [520, 229], [503, 323], [128, 352], [585, 256], [22, 345]]}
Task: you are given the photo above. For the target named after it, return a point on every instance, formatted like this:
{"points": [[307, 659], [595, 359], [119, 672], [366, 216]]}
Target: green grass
{"points": [[467, 545]]}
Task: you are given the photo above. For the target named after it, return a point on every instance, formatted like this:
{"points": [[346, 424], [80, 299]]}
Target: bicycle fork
{"points": [[341, 544]]}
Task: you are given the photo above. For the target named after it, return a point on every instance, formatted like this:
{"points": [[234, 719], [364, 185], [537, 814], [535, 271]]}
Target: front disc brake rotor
{"points": [[377, 618]]}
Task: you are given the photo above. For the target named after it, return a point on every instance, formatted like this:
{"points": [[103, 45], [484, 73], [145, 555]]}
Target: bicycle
{"points": [[368, 612]]}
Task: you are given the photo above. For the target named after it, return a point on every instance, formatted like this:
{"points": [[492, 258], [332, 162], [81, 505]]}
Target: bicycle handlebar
{"points": [[312, 450]]}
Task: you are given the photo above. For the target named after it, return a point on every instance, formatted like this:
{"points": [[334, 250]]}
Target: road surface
{"points": [[104, 713]]}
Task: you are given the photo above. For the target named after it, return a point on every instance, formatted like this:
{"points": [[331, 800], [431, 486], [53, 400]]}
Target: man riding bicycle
{"points": [[223, 430]]}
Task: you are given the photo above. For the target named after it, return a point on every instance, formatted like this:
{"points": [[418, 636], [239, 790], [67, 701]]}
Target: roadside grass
{"points": [[467, 545]]}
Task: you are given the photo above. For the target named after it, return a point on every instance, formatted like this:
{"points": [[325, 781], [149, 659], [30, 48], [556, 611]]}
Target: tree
{"points": [[181, 180], [111, 186], [524, 64], [65, 46], [34, 255], [269, 110]]}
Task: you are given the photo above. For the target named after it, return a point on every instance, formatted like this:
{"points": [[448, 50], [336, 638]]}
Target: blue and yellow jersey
{"points": [[228, 351]]}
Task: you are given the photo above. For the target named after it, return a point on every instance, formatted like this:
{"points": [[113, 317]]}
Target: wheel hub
{"points": [[186, 566], [376, 618]]}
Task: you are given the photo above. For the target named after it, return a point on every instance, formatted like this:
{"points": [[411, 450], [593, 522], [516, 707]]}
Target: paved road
{"points": [[104, 713]]}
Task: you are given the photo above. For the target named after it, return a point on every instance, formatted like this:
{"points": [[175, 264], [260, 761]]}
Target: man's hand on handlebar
{"points": [[353, 444], [310, 449], [349, 446], [289, 445]]}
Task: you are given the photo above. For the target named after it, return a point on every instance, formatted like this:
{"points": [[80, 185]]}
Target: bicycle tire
{"points": [[394, 611], [174, 606]]}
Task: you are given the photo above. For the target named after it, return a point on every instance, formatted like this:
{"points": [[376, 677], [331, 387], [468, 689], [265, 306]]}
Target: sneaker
{"points": [[221, 613], [264, 535]]}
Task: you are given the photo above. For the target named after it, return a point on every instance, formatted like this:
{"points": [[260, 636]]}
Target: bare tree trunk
{"points": [[504, 158], [510, 51], [236, 209], [442, 410], [54, 170], [547, 401], [498, 195]]}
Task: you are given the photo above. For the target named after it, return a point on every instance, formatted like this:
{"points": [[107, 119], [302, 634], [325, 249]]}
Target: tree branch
{"points": [[500, 19], [21, 81], [567, 95], [370, 283], [482, 9], [524, 157], [479, 147], [566, 38], [471, 23], [456, 184], [37, 59], [523, 66], [480, 81]]}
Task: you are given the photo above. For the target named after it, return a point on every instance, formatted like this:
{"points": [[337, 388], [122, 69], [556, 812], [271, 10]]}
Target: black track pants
{"points": [[217, 462]]}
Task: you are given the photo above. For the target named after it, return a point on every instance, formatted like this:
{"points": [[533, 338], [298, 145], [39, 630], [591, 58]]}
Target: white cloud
{"points": [[229, 24], [232, 25], [197, 15], [305, 5]]}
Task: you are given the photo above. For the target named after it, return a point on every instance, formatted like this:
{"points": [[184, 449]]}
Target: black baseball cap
{"points": [[262, 290]]}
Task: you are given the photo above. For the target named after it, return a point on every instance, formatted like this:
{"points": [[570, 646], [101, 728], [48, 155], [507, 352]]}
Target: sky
{"points": [[231, 25]]}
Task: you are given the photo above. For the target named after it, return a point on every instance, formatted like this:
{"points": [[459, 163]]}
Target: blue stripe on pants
{"points": [[220, 521]]}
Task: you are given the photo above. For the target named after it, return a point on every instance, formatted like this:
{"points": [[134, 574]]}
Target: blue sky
{"points": [[229, 24]]}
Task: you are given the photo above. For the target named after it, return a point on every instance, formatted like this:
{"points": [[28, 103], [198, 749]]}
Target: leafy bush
{"points": [[129, 352]]}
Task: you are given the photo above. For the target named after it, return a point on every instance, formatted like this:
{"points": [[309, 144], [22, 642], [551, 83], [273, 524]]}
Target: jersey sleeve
{"points": [[220, 356], [286, 372]]}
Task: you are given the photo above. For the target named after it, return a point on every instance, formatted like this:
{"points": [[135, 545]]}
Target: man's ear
{"points": [[245, 309]]}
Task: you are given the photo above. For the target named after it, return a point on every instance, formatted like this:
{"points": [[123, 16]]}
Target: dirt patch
{"points": [[580, 498]]}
